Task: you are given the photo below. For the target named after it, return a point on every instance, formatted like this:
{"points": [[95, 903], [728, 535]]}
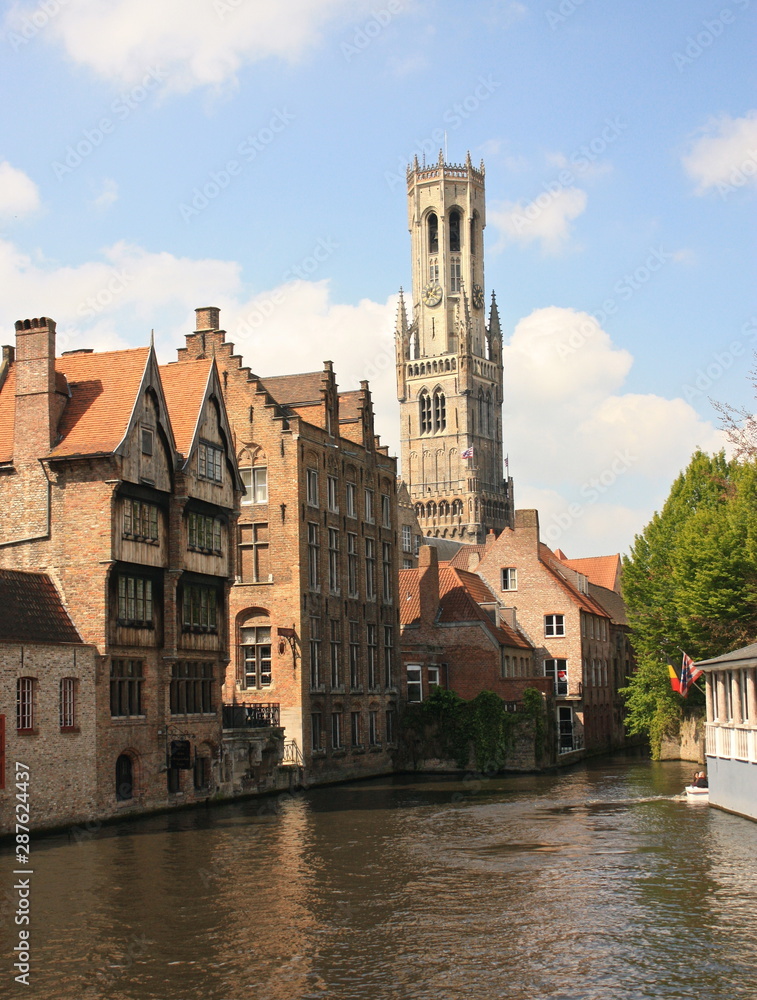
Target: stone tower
{"points": [[449, 362]]}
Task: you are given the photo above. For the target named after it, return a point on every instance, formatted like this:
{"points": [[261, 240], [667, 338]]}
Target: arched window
{"points": [[443, 508], [457, 508], [420, 510], [454, 231], [425, 411], [432, 509], [440, 410], [255, 650], [433, 233], [124, 778]]}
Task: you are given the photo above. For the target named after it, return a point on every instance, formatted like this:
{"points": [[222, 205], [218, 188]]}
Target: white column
{"points": [[710, 694], [751, 693]]}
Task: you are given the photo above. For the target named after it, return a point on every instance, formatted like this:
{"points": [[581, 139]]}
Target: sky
{"points": [[160, 157]]}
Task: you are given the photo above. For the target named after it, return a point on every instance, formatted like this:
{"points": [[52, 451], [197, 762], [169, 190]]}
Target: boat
{"points": [[696, 794]]}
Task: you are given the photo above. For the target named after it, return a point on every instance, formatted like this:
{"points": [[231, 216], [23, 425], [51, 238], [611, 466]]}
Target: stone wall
{"points": [[690, 742]]}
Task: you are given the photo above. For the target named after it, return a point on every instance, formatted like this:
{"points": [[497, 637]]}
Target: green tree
{"points": [[690, 583]]}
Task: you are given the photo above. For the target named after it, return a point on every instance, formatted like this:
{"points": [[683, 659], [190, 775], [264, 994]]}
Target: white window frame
{"points": [[351, 499], [414, 681], [554, 626], [255, 479], [332, 494], [509, 578], [312, 487]]}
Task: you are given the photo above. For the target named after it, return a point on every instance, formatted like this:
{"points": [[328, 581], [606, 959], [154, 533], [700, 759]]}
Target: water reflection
{"points": [[595, 884]]}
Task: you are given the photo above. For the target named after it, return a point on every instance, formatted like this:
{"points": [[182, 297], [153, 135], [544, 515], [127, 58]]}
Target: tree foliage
{"points": [[690, 584]]}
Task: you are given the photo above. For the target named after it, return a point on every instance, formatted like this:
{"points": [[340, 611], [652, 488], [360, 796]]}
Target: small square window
{"points": [[509, 578], [554, 625]]}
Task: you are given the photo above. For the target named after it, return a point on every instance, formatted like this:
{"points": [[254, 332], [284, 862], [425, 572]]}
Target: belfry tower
{"points": [[449, 362]]}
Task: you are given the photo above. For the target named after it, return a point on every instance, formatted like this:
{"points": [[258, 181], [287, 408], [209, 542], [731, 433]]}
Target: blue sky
{"points": [[159, 157]]}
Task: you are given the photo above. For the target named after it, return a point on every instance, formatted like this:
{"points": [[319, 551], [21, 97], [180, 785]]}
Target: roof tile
{"points": [[32, 609]]}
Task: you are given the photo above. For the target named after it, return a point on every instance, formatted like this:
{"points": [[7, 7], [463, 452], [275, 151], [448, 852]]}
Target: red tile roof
{"points": [[104, 389], [184, 386], [551, 562], [349, 408], [293, 389], [32, 609], [459, 592], [602, 570]]}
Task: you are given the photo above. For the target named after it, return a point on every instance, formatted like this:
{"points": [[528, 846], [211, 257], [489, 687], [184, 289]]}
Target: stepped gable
{"points": [[33, 610], [184, 386], [103, 390], [604, 571], [349, 405]]}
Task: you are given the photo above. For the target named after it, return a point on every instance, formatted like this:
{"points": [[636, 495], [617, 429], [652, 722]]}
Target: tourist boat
{"points": [[694, 794]]}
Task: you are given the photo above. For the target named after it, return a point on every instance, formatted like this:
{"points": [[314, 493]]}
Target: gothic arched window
{"points": [[425, 412], [440, 410], [454, 231], [433, 233]]}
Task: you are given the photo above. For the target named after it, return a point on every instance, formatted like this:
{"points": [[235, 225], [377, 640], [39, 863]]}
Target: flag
{"points": [[468, 453], [689, 673], [674, 681]]}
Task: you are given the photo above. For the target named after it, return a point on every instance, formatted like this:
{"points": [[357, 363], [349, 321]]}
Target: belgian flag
{"points": [[675, 680]]}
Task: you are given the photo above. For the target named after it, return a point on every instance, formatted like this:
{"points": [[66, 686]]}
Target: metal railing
{"points": [[292, 754], [567, 744], [258, 715]]}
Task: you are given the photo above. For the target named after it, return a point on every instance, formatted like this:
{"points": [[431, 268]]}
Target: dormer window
{"points": [[454, 231], [433, 233]]}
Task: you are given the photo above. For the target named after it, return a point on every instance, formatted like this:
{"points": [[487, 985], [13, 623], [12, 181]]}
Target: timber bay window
{"points": [[210, 462], [386, 572], [25, 715], [332, 494], [351, 499], [312, 487], [352, 576], [554, 625], [336, 730], [414, 684], [315, 653], [333, 561], [314, 547], [407, 538], [335, 649], [204, 532], [355, 655], [67, 703], [388, 656], [126, 677], [509, 578], [372, 649], [370, 569], [140, 520], [134, 601], [256, 655], [557, 671], [255, 481], [200, 610], [192, 688]]}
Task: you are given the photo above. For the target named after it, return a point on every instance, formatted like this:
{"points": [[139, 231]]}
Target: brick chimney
{"points": [[428, 582], [527, 525], [37, 411], [207, 319]]}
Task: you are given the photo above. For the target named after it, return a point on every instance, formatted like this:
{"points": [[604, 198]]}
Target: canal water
{"points": [[594, 884]]}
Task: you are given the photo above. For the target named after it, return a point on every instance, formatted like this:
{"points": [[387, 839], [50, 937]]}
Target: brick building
{"points": [[575, 637], [47, 708], [119, 481], [456, 635], [313, 619]]}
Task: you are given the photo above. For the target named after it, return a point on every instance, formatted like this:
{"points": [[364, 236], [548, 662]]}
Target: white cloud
{"points": [[196, 42], [725, 154], [107, 196], [545, 220], [19, 194], [595, 460]]}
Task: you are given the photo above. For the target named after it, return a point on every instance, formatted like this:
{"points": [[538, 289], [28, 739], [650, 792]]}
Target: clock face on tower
{"points": [[432, 293], [478, 296]]}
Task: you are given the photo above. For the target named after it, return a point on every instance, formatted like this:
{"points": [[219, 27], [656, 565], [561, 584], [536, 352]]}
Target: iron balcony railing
{"points": [[292, 753], [257, 715]]}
